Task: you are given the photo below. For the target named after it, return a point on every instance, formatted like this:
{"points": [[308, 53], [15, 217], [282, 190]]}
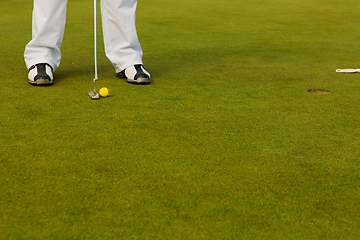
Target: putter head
{"points": [[94, 95]]}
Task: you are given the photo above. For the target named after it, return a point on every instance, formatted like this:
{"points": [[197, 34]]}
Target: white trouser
{"points": [[122, 46]]}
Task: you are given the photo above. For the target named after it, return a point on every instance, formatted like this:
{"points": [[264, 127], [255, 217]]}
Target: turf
{"points": [[226, 143]]}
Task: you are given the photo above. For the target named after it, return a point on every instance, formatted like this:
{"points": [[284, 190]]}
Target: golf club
{"points": [[93, 94], [348, 70]]}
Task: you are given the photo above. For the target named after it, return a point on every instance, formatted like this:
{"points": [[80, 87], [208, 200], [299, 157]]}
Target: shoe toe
{"points": [[137, 74], [41, 75]]}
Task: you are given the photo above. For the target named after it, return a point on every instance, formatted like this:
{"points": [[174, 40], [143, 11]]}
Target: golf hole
{"points": [[318, 91]]}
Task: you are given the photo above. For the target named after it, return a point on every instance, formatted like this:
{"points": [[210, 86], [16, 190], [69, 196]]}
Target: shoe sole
{"points": [[141, 81], [41, 82]]}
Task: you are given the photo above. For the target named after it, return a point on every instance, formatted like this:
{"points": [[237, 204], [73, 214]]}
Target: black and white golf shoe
{"points": [[41, 74], [135, 74]]}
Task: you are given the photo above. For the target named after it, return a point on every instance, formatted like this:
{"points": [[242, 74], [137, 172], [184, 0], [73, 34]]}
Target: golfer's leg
{"points": [[122, 46], [48, 26]]}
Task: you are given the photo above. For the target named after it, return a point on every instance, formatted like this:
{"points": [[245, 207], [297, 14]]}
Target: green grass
{"points": [[226, 143]]}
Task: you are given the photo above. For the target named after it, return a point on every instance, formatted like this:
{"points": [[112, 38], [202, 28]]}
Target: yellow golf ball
{"points": [[104, 92]]}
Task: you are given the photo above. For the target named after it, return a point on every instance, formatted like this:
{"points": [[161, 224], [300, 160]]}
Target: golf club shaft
{"points": [[95, 40], [348, 70]]}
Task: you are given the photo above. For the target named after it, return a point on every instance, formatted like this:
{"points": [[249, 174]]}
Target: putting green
{"points": [[226, 143]]}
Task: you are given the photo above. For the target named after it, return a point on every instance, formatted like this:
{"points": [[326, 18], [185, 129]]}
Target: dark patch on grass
{"points": [[318, 91]]}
